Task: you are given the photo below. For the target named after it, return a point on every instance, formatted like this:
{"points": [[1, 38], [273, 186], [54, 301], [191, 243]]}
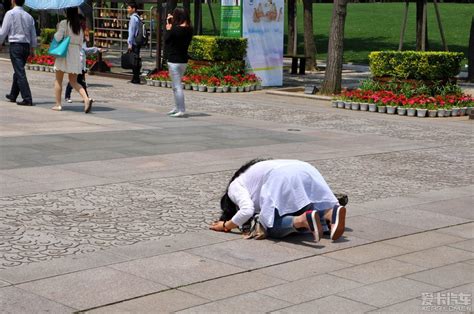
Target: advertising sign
{"points": [[231, 18], [262, 25]]}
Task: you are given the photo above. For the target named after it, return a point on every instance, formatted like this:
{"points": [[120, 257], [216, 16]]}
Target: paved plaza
{"points": [[109, 212]]}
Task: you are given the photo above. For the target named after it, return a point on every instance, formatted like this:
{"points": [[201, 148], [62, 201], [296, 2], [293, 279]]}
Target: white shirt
{"points": [[19, 26], [285, 185]]}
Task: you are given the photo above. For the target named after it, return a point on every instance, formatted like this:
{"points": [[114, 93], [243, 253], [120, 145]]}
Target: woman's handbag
{"points": [[59, 49], [257, 230]]}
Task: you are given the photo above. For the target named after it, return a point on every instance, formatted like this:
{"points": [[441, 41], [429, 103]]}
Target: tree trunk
{"points": [[333, 75], [421, 6], [292, 47], [309, 45], [470, 54]]}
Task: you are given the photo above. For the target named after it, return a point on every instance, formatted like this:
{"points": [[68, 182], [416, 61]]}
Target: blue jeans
{"points": [[19, 53], [283, 225], [176, 71]]}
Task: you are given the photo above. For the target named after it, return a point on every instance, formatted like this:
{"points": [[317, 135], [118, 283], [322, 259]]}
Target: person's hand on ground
{"points": [[218, 226]]}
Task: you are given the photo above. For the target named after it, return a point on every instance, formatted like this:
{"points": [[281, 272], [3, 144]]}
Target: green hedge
{"points": [[212, 48], [418, 65], [46, 36]]}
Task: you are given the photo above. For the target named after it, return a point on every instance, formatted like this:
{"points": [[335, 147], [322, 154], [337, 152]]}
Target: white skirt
{"points": [[72, 62]]}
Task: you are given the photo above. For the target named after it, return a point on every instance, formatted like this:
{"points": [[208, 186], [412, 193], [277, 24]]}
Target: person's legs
{"points": [[282, 226], [176, 71], [137, 68], [81, 80], [67, 94], [19, 55], [58, 87], [80, 90], [303, 220], [337, 217]]}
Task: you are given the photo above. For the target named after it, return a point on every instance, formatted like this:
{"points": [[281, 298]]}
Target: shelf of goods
{"points": [[111, 28]]}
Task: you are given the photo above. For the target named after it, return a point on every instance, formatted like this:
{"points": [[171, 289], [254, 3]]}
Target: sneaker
{"points": [[314, 223], [172, 112], [338, 222], [178, 114], [68, 100]]}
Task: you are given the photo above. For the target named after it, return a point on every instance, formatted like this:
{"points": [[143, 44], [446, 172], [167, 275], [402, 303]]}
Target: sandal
{"points": [[57, 108]]}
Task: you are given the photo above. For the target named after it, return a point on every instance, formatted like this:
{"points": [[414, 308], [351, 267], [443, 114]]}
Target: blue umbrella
{"points": [[52, 4]]}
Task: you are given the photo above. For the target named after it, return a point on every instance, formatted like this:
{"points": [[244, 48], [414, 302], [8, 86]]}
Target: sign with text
{"points": [[262, 25], [231, 18]]}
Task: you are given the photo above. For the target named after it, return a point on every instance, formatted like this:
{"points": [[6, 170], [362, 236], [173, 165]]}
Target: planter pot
{"points": [[233, 89], [468, 110], [340, 104], [372, 108], [401, 111], [225, 89], [334, 103], [432, 113], [441, 112], [421, 113], [41, 67], [348, 104], [448, 113], [258, 87], [355, 106], [195, 87], [187, 86], [219, 89], [27, 66], [51, 69], [253, 87], [364, 106], [411, 112], [382, 109], [240, 89], [36, 67], [156, 83], [247, 88], [463, 111], [202, 88], [455, 112], [149, 82], [211, 89], [169, 84], [391, 109]]}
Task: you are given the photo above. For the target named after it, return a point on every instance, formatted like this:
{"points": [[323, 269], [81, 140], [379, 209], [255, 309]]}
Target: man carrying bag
{"points": [[131, 60]]}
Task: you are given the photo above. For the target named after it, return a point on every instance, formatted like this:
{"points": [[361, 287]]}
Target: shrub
{"points": [[46, 36], [212, 48], [418, 65]]}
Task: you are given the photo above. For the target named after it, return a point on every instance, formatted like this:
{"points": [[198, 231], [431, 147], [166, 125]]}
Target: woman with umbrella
{"points": [[71, 63]]}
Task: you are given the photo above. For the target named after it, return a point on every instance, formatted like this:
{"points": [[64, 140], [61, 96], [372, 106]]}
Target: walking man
{"points": [[19, 26], [133, 26]]}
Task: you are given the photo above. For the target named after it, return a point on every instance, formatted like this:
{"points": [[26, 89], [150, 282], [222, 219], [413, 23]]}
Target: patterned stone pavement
{"points": [[76, 185]]}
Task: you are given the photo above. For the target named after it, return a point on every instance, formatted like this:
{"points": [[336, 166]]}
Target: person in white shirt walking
{"points": [[289, 196], [19, 26]]}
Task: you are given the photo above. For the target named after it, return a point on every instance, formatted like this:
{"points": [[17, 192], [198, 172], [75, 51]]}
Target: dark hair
{"points": [[180, 16], [132, 4], [229, 209], [72, 15], [20, 3]]}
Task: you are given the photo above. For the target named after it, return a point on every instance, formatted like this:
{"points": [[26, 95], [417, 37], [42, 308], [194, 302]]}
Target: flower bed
{"points": [[420, 101], [206, 81], [44, 62]]}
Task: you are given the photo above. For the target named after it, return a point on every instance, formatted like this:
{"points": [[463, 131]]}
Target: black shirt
{"points": [[177, 41]]}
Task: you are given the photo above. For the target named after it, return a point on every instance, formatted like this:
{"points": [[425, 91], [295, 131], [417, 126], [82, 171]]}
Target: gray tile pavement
{"points": [[107, 211]]}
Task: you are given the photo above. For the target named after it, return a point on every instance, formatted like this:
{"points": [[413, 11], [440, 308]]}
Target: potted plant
{"points": [[401, 110], [411, 112], [421, 112], [381, 108], [432, 110], [187, 82], [212, 83], [355, 105], [372, 107]]}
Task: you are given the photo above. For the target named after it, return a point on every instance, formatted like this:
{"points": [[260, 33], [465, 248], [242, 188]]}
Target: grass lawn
{"points": [[376, 26]]}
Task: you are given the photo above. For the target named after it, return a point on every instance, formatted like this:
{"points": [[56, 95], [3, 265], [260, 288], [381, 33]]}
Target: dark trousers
{"points": [[136, 70], [19, 53], [81, 79]]}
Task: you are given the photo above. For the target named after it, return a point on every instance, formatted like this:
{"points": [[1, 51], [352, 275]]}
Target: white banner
{"points": [[262, 25]]}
